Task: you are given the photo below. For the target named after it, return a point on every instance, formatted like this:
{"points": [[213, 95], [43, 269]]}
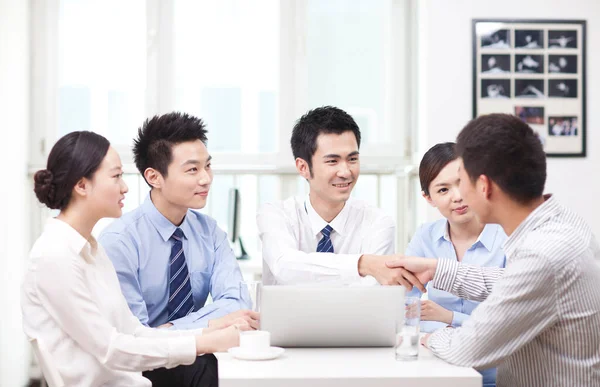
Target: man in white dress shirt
{"points": [[326, 236]]}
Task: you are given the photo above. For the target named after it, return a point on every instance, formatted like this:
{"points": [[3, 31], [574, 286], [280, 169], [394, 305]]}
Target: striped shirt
{"points": [[540, 321]]}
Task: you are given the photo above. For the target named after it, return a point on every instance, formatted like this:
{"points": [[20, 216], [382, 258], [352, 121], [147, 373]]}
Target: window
{"points": [[101, 71], [347, 45], [249, 69], [226, 70]]}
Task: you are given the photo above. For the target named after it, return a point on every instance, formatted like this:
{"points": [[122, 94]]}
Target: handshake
{"points": [[223, 333], [398, 269]]}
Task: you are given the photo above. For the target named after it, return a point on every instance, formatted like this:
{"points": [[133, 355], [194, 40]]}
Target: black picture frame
{"points": [[546, 84]]}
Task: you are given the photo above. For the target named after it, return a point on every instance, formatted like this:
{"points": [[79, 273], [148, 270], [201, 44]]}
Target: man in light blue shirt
{"points": [[138, 245], [168, 257]]}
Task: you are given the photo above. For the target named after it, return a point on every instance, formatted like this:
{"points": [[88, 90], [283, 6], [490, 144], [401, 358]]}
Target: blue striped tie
{"points": [[325, 245], [181, 301]]}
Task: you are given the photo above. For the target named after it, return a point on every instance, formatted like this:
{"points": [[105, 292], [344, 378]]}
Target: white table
{"points": [[347, 367]]}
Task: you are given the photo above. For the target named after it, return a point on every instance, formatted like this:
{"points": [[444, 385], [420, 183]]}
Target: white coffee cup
{"points": [[255, 341]]}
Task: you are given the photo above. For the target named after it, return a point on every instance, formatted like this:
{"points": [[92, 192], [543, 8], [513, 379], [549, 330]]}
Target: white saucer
{"points": [[268, 354]]}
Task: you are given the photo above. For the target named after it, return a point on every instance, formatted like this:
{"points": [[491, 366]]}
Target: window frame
{"points": [[293, 94]]}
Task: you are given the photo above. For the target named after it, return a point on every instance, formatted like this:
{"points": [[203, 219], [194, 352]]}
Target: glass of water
{"points": [[407, 330], [250, 292]]}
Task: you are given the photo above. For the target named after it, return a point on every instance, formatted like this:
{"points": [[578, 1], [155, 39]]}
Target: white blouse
{"points": [[73, 305]]}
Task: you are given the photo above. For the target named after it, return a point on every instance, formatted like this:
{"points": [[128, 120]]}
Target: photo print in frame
{"points": [[535, 70]]}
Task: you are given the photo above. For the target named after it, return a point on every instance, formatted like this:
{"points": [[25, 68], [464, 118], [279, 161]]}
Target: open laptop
{"points": [[331, 316]]}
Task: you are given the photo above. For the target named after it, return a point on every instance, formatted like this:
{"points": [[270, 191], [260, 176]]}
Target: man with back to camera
{"points": [[539, 321], [326, 236], [168, 257]]}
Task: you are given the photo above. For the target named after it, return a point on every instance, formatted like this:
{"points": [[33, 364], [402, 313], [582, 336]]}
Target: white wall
{"points": [[14, 218], [445, 84]]}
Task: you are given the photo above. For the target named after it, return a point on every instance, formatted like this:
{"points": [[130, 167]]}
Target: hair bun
{"points": [[45, 188], [43, 176]]}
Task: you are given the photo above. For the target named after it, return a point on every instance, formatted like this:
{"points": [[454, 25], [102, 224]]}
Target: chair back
{"points": [[46, 363]]}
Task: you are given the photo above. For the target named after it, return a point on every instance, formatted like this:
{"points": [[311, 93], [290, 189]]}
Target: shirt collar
{"points": [[540, 215], [163, 225], [317, 223], [440, 231], [75, 241], [486, 238]]}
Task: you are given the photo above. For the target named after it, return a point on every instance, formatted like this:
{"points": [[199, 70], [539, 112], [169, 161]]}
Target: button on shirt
{"points": [[432, 240], [291, 230], [139, 246], [73, 306], [540, 321]]}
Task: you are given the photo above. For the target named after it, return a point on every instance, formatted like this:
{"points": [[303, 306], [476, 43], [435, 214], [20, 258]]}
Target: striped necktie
{"points": [[325, 245], [181, 301]]}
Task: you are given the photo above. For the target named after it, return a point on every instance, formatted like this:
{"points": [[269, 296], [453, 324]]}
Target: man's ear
{"points": [[485, 186], [428, 199], [303, 168], [153, 177]]}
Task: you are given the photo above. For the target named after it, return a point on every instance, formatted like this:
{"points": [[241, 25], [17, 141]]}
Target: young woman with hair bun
{"points": [[71, 300]]}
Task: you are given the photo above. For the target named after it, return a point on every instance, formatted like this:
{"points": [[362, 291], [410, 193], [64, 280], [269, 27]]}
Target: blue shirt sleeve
{"points": [[124, 255], [415, 249], [458, 318], [225, 282]]}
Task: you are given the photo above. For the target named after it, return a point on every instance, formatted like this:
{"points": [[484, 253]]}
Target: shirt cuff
{"points": [[349, 268], [182, 350], [440, 339], [187, 325], [458, 318], [184, 332], [445, 274]]}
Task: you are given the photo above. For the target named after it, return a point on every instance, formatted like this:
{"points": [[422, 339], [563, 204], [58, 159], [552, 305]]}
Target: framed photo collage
{"points": [[534, 69]]}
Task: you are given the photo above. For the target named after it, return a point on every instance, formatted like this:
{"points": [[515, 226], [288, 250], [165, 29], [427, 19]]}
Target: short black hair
{"points": [[74, 156], [433, 161], [322, 120], [507, 151], [153, 147]]}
